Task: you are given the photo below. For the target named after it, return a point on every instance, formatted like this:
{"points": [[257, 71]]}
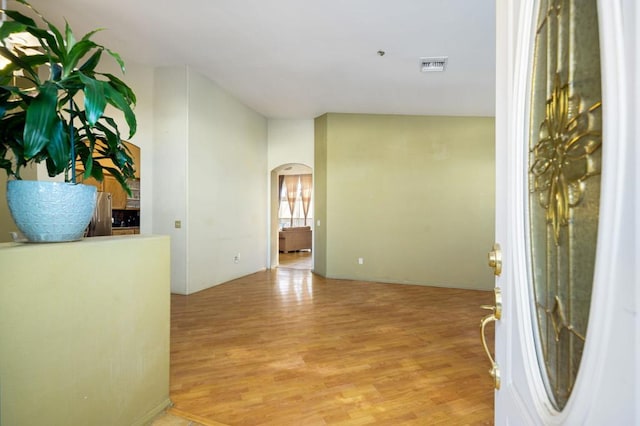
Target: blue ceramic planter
{"points": [[51, 211]]}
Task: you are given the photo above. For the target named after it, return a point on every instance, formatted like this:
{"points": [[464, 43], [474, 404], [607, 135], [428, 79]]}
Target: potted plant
{"points": [[52, 109]]}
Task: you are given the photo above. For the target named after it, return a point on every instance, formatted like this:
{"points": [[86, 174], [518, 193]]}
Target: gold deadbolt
{"points": [[495, 259]]}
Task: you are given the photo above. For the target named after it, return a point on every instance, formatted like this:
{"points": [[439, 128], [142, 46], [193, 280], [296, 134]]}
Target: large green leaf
{"points": [[58, 148], [60, 40], [79, 50], [83, 153], [70, 86], [54, 43], [34, 61], [97, 173], [94, 100], [19, 17], [49, 43], [117, 58], [9, 27], [110, 133], [19, 62], [122, 87], [70, 40], [88, 35], [88, 166], [41, 116], [90, 65], [116, 99]]}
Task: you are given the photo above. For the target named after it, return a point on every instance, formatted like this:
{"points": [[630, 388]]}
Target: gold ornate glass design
{"points": [[565, 146]]}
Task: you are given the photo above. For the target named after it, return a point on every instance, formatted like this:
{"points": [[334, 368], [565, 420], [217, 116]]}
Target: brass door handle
{"points": [[495, 259], [495, 370], [496, 314]]}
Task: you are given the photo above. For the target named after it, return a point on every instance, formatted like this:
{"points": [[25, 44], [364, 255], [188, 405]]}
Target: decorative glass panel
{"points": [[565, 146]]}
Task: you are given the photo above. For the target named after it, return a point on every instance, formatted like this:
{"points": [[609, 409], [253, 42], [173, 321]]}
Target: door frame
{"points": [[273, 251]]}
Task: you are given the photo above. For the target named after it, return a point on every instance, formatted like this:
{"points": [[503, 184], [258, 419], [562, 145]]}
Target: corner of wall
{"points": [[320, 195]]}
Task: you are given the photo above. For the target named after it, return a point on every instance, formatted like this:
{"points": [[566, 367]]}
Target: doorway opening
{"points": [[291, 244]]}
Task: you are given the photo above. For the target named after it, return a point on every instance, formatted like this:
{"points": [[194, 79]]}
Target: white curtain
{"points": [[306, 184], [291, 183]]}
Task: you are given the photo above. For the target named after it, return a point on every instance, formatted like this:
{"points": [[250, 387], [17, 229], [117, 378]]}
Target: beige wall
{"points": [[211, 175], [290, 141], [227, 191], [93, 350], [411, 195], [170, 161]]}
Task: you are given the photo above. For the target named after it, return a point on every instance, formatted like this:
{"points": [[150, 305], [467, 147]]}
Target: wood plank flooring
{"points": [[286, 347], [296, 260]]}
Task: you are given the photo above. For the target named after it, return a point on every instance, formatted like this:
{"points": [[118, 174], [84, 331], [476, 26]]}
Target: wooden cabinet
{"points": [[127, 231], [133, 200], [118, 196], [120, 200]]}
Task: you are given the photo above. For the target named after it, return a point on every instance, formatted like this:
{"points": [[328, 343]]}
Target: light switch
{"points": [[178, 224]]}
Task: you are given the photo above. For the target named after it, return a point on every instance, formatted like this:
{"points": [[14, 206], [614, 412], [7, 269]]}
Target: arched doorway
{"points": [[291, 222]]}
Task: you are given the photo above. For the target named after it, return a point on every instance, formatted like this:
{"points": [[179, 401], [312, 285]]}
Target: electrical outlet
{"points": [[360, 261], [177, 224], [236, 258]]}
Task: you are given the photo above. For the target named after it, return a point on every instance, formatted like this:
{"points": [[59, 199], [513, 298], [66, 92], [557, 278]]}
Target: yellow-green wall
{"points": [[320, 197], [413, 196], [84, 331]]}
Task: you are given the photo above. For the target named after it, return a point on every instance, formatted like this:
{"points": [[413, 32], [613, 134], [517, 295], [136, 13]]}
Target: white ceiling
{"points": [[302, 58]]}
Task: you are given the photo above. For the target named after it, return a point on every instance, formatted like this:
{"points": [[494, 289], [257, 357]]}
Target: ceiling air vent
{"points": [[435, 64]]}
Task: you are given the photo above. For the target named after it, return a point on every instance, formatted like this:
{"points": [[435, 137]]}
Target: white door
{"points": [[559, 363]]}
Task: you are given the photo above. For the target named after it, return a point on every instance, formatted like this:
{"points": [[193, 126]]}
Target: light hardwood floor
{"points": [[286, 347], [296, 260]]}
